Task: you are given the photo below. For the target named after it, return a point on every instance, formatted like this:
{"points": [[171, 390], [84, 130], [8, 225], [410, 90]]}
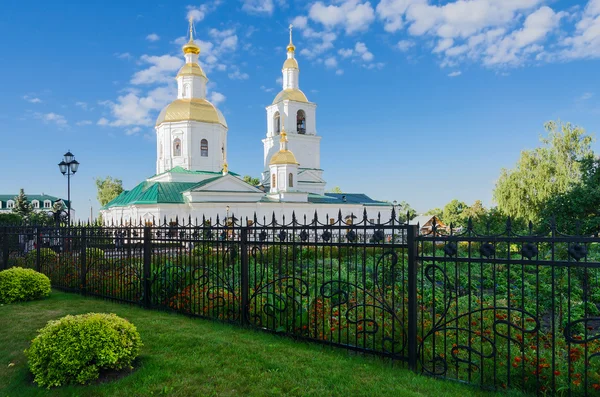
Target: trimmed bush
{"points": [[74, 349], [94, 254], [47, 256], [18, 284]]}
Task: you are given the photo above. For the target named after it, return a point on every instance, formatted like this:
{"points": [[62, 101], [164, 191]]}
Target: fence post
{"points": [[245, 276], [412, 297], [38, 244], [147, 266], [5, 243], [83, 255]]}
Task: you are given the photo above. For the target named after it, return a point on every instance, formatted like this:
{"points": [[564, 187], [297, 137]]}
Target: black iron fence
{"points": [[501, 311]]}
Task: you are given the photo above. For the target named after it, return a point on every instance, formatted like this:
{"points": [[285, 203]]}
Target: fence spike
{"points": [[393, 217], [294, 217], [316, 217], [470, 224], [530, 227], [340, 215], [508, 224], [255, 218], [365, 215]]}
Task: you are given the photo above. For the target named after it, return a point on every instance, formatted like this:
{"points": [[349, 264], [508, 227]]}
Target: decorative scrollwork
{"points": [[487, 249], [326, 236], [303, 235], [450, 249], [577, 251], [529, 250]]}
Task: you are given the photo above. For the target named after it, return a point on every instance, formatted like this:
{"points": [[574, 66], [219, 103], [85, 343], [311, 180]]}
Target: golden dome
{"points": [[190, 48], [191, 69], [194, 109], [291, 47], [283, 157], [290, 63], [292, 94]]}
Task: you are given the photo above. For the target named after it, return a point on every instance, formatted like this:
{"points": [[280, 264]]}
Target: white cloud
{"points": [[392, 12], [300, 22], [339, 72], [160, 71], [123, 55], [405, 45], [586, 96], [455, 74], [82, 105], [585, 40], [258, 6], [345, 52], [279, 80], [352, 15], [135, 108], [331, 62], [103, 121], [84, 122], [153, 37], [361, 50], [265, 89], [32, 99], [52, 118], [238, 75], [132, 131], [216, 98]]}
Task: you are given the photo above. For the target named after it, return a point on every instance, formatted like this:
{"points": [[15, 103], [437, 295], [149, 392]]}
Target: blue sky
{"points": [[418, 100]]}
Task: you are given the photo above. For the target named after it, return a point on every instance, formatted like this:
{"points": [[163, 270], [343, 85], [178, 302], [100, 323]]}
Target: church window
{"points": [[204, 148], [291, 180], [47, 204], [36, 204], [276, 123], [177, 147], [10, 204], [186, 89], [301, 122], [274, 181]]}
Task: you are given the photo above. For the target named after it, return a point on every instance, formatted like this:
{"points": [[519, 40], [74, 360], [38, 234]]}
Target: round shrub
{"points": [[94, 254], [202, 250], [18, 284], [74, 349], [47, 257]]}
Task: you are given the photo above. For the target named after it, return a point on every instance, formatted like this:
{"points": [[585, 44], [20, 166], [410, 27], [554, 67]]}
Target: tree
{"points": [[108, 189], [544, 172], [252, 181], [435, 212], [577, 211], [22, 205], [453, 213], [475, 212], [402, 209], [336, 189]]}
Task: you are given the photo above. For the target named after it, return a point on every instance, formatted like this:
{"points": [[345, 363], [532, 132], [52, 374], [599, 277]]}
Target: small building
{"points": [[426, 223], [39, 202]]}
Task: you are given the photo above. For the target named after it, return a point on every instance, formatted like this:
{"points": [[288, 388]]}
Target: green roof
{"points": [[356, 198], [30, 197]]}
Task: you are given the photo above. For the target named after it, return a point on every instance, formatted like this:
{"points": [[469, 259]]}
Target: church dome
{"points": [[190, 47], [283, 157], [290, 63], [195, 109], [191, 69], [292, 94]]}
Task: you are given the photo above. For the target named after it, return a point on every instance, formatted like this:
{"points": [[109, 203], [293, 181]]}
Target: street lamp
{"points": [[68, 167]]}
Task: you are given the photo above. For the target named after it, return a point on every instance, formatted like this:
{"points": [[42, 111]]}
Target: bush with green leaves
{"points": [[94, 254], [74, 349], [19, 284], [47, 257]]}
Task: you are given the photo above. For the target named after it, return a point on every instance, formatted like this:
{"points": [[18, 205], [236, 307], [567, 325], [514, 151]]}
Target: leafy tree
{"points": [[22, 205], [402, 209], [10, 219], [336, 189], [453, 213], [544, 172], [475, 212], [435, 211], [108, 189], [580, 204], [252, 181]]}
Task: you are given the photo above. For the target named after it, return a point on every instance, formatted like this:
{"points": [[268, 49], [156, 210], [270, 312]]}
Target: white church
{"points": [[192, 176]]}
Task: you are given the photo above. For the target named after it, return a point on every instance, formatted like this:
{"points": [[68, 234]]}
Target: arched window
{"points": [[186, 89], [160, 153], [291, 180], [36, 204], [301, 122], [204, 148], [47, 204], [10, 204], [177, 147], [274, 181], [276, 123]]}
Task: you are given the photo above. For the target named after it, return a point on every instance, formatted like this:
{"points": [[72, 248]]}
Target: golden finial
{"points": [[191, 47], [225, 168], [291, 46]]}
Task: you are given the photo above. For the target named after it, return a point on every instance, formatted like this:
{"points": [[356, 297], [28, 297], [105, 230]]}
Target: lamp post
{"points": [[68, 167]]}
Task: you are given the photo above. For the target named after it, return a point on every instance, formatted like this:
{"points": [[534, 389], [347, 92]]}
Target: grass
{"points": [[190, 357]]}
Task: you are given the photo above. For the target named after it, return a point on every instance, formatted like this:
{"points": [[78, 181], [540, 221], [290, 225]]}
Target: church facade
{"points": [[192, 175]]}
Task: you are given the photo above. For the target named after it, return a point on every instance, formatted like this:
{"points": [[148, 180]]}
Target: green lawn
{"points": [[191, 357]]}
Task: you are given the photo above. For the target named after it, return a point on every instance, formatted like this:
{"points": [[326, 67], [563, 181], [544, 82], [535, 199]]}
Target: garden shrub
{"points": [[202, 250], [18, 284], [74, 349], [94, 254], [47, 257]]}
